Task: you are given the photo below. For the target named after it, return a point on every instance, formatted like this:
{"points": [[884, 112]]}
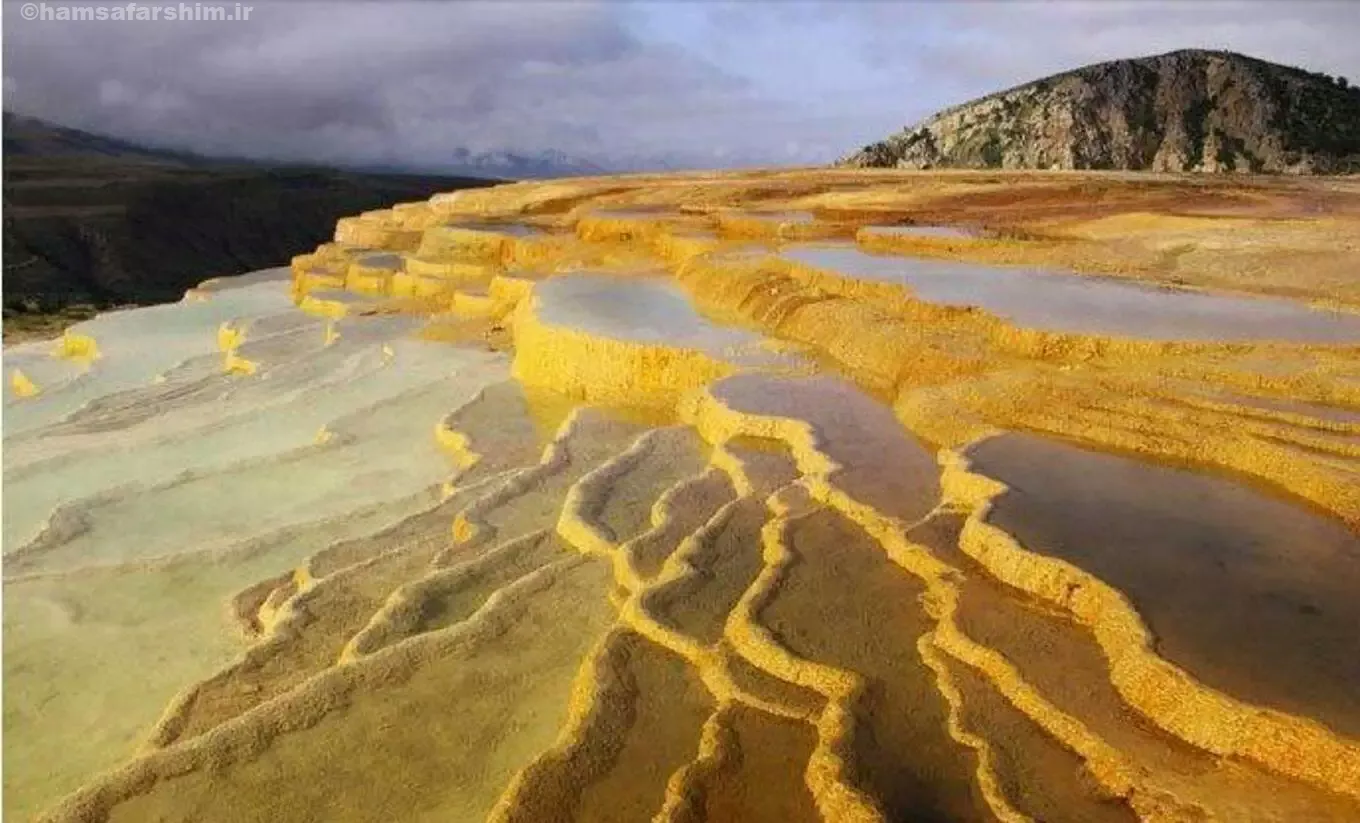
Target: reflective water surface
{"points": [[1086, 304]]}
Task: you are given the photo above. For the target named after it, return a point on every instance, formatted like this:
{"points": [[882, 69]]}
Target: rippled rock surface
{"points": [[706, 498]]}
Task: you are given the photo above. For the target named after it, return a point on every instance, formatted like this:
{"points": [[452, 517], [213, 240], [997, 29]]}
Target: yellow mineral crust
{"points": [[78, 347], [233, 363], [538, 251], [1293, 746], [606, 370], [21, 384], [472, 244], [321, 307], [626, 227], [666, 579], [778, 226], [1027, 378], [229, 338], [676, 247], [1262, 736], [376, 233], [574, 525]]}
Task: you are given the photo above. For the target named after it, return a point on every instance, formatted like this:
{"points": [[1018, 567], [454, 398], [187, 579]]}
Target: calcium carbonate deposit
{"points": [[706, 498]]}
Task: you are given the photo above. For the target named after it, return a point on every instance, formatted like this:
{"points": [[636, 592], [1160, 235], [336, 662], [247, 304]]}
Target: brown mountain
{"points": [[1209, 111]]}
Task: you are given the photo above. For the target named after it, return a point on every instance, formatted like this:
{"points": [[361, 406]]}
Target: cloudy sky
{"points": [[621, 82]]}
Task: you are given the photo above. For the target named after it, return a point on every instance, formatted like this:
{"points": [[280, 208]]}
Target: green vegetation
{"points": [[991, 151], [30, 320]]}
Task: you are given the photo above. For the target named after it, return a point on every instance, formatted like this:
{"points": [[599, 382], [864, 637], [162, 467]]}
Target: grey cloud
{"points": [[409, 82], [973, 48], [368, 81]]}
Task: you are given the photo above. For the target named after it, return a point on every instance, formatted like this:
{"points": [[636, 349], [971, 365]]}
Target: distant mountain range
{"points": [[91, 221], [29, 135], [1189, 110], [511, 165], [502, 165]]}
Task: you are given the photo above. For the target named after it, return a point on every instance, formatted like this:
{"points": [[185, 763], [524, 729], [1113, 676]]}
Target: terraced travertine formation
{"points": [[767, 496]]}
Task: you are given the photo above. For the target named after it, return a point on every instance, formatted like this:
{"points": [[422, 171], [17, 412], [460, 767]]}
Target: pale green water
{"points": [[138, 344], [202, 458], [281, 274], [247, 423], [392, 453], [217, 478]]}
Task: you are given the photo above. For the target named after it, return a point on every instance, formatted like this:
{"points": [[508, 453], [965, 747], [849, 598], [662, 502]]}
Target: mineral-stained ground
{"points": [[803, 495]]}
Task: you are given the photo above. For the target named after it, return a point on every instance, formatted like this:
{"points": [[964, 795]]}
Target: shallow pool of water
{"points": [[645, 310], [510, 229], [882, 464], [1252, 594], [220, 284], [1086, 304], [207, 423], [380, 260], [516, 230], [138, 344]]}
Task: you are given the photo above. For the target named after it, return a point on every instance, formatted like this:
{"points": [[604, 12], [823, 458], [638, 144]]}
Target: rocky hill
{"points": [[1190, 110]]}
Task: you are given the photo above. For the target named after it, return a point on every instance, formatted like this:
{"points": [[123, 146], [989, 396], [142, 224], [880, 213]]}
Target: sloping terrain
{"points": [[91, 222], [1182, 111], [763, 496]]}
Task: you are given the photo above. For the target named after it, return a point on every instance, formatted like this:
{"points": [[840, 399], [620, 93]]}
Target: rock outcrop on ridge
{"points": [[1184, 111]]}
